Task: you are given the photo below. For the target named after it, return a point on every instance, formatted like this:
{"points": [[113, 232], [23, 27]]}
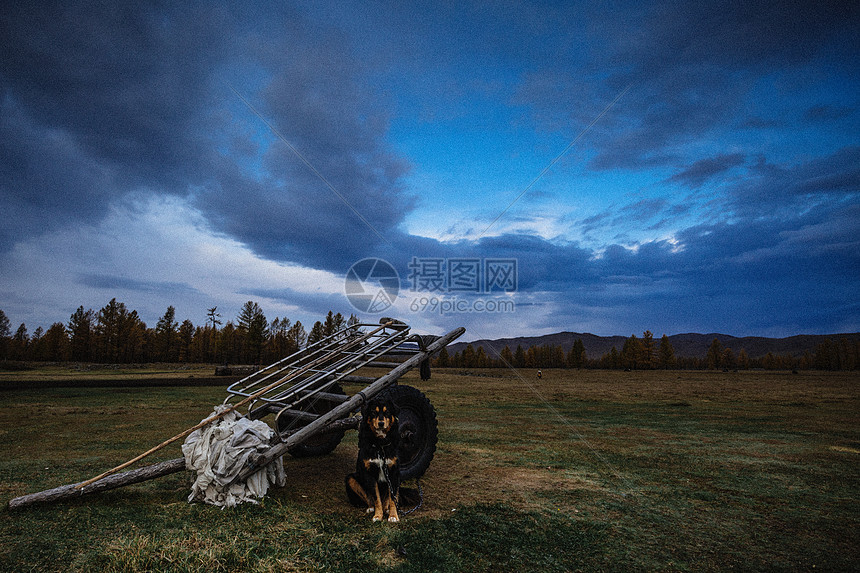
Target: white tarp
{"points": [[218, 451]]}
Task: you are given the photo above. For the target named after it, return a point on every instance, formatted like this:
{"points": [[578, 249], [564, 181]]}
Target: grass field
{"points": [[580, 470]]}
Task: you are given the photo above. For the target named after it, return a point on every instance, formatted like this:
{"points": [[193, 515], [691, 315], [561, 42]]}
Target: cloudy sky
{"points": [[671, 166]]}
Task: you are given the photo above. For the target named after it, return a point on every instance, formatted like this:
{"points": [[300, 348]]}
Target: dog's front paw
{"points": [[393, 519], [377, 518]]}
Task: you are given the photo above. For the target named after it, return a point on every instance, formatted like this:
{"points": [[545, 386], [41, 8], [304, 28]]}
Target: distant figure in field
{"points": [[540, 374]]}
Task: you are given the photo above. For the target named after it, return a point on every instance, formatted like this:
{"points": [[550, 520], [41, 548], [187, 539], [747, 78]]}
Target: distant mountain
{"points": [[686, 345]]}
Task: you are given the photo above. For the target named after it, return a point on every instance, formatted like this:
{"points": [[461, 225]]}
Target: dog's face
{"points": [[381, 416]]}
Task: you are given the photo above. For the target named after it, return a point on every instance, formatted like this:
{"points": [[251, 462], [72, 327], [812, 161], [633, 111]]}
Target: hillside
{"points": [[690, 345]]}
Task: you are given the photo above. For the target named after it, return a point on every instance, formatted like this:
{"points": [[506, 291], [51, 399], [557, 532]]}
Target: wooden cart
{"points": [[306, 396]]}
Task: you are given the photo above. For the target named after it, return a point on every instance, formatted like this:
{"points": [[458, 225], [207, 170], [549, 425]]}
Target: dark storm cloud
{"points": [[690, 67], [827, 113], [349, 196], [774, 190], [761, 123], [343, 197], [98, 99], [115, 283], [315, 304], [101, 101], [704, 169], [730, 277]]}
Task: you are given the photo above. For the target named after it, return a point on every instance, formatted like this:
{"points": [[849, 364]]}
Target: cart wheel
{"points": [[320, 444], [418, 430]]}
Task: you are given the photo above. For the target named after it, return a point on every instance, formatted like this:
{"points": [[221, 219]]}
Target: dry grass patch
{"points": [[580, 469]]}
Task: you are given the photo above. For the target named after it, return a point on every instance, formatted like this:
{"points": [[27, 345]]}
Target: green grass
{"points": [[38, 374], [578, 470]]}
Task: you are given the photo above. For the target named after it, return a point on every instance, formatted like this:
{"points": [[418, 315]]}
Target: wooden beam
{"points": [[65, 492]]}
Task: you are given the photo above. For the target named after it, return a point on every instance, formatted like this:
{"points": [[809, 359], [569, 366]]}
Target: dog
{"points": [[375, 484]]}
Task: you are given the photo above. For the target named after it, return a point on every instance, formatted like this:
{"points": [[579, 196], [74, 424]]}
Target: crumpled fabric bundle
{"points": [[218, 452]]}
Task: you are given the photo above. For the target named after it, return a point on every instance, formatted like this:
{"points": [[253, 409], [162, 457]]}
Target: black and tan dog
{"points": [[376, 481]]}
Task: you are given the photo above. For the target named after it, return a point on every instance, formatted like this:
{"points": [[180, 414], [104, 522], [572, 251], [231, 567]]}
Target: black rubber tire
{"points": [[321, 444], [419, 430]]}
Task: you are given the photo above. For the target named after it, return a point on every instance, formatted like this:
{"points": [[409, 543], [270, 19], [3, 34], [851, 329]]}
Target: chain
{"points": [[396, 497]]}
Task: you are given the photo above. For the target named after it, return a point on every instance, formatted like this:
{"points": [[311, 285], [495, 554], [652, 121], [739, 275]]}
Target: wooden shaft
{"points": [[138, 475], [111, 482]]}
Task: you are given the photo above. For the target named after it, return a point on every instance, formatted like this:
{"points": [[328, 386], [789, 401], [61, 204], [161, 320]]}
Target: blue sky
{"points": [[671, 166]]}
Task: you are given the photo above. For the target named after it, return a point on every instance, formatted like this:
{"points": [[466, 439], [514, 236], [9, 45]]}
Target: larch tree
{"points": [[80, 328], [666, 354], [576, 357], [714, 357], [166, 343], [254, 327], [5, 332], [649, 354]]}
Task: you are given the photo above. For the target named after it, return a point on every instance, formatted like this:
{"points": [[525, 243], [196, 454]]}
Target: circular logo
{"points": [[372, 285]]}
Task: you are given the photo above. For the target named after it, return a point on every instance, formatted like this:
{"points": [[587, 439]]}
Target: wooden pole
{"points": [[71, 491], [111, 482]]}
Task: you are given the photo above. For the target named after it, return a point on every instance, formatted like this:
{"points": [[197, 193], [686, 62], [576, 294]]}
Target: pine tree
{"points": [[316, 334], [229, 344], [531, 357], [213, 320], [333, 323], [134, 338], [481, 358], [20, 342], [278, 341], [727, 360], [507, 357], [56, 343], [614, 358], [80, 333], [254, 327], [559, 360], [576, 357], [212, 317], [109, 331], [5, 332], [631, 353], [666, 354], [714, 357], [36, 350], [468, 357], [519, 357], [296, 337], [5, 327], [166, 347], [185, 339], [443, 359], [649, 356], [743, 359]]}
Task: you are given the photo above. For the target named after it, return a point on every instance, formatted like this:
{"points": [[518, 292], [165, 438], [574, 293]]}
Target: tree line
{"points": [[116, 335], [646, 353]]}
